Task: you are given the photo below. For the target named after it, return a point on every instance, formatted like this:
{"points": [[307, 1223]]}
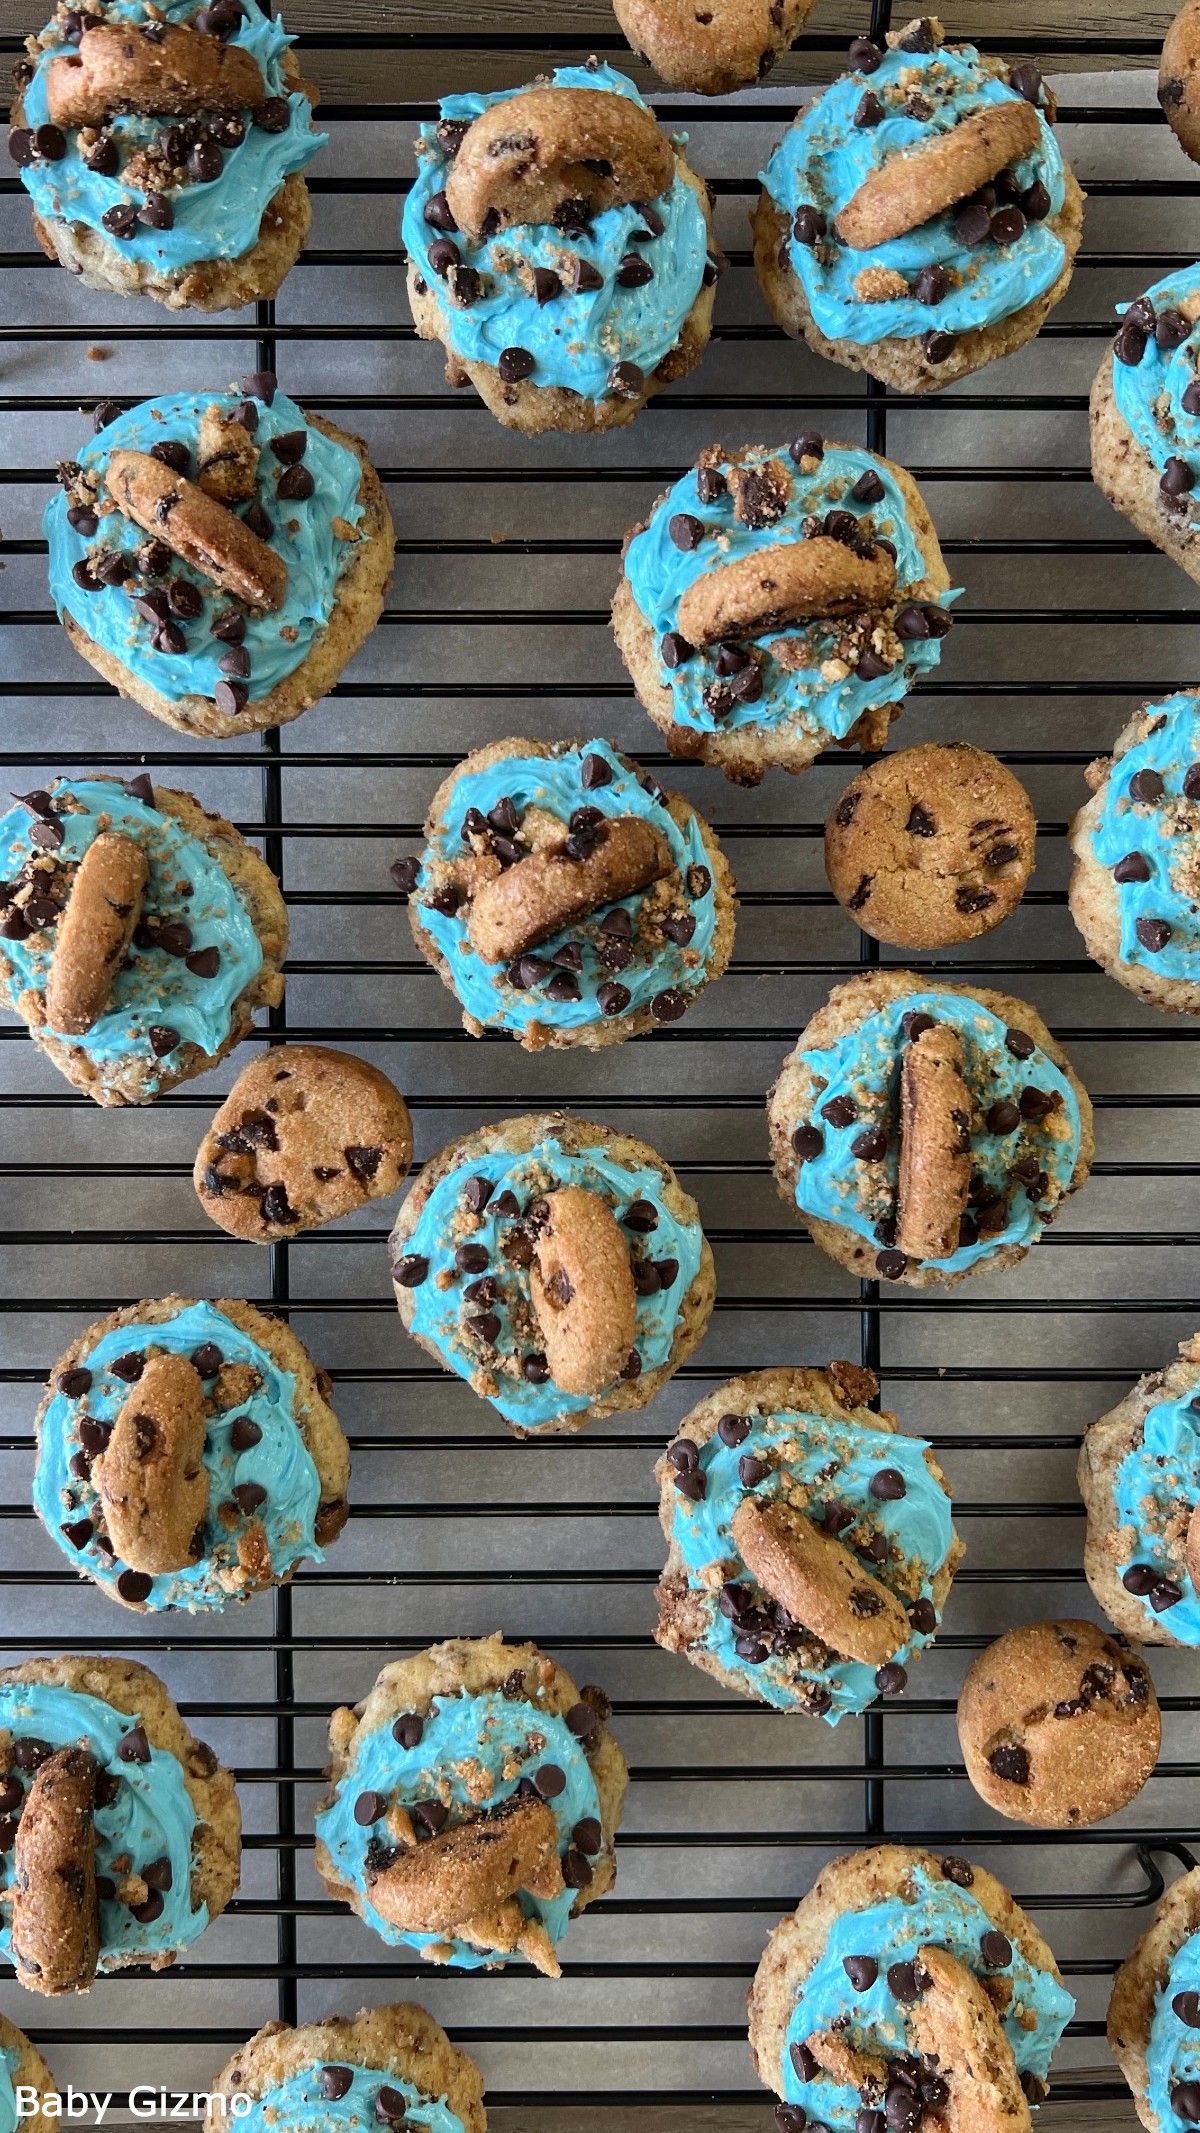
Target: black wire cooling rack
{"points": [[1066, 625]]}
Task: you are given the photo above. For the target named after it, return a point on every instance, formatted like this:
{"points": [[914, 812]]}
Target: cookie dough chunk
{"points": [[910, 1986], [858, 1083], [780, 599], [932, 846], [874, 1507], [358, 2070], [712, 51], [1059, 1724], [121, 1835], [522, 834], [919, 218], [23, 2067], [1139, 1477], [1145, 417], [564, 296], [1154, 2012], [187, 1455], [138, 933], [466, 1769], [304, 1136], [1179, 78]]}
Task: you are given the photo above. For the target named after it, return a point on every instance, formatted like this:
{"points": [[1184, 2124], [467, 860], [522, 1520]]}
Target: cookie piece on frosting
{"points": [[572, 276], [390, 2065], [919, 217], [904, 1985], [1139, 1477], [475, 1800], [1145, 417], [712, 51], [1154, 2013]]}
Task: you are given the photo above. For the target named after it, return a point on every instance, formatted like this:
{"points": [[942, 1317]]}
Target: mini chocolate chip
{"points": [[408, 1729], [549, 1781], [906, 1982], [133, 1747], [932, 285], [515, 364], [576, 1871], [996, 1949], [1186, 2007], [612, 999], [634, 272], [1177, 478], [640, 1216], [675, 650], [50, 141], [840, 1111], [692, 1484], [368, 1807], [892, 1679], [808, 227], [1007, 225], [923, 1616], [410, 1271], [871, 1145], [1004, 1117], [808, 1141], [733, 1429], [391, 2109], [870, 111], [79, 1535], [625, 381], [891, 1265], [74, 1383], [1019, 1043], [535, 1369], [1153, 933], [173, 453], [336, 2081], [1164, 1594], [972, 223], [938, 346], [862, 1971], [888, 1484], [686, 532], [1010, 1762], [751, 1470]]}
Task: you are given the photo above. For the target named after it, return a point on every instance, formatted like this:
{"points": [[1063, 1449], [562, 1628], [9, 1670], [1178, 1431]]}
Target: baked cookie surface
{"points": [[713, 51], [1179, 78], [1139, 1476], [23, 2067], [389, 2065], [1154, 2013], [1145, 417]]}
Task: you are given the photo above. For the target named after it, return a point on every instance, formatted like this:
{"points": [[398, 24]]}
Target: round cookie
{"points": [[546, 920], [810, 1546], [219, 557], [187, 1455], [131, 989], [566, 297], [205, 208], [1136, 842], [1154, 2013], [390, 2065], [122, 1835], [897, 1971], [23, 2067], [474, 1805], [304, 1136], [932, 846], [1145, 417], [1139, 1477], [712, 52], [557, 1266], [1059, 1724], [919, 218], [1179, 78], [927, 1131], [781, 599]]}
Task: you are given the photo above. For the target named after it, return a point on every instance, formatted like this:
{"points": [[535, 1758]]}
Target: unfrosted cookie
{"points": [[138, 933], [187, 1455], [927, 1131], [585, 282], [120, 1836], [712, 51], [219, 557], [919, 218], [1139, 1477], [1145, 417], [1059, 1724], [25, 2083], [779, 599], [1179, 78], [557, 1266], [304, 1136], [475, 1800], [810, 1545], [932, 846], [389, 2066], [1154, 2012], [564, 896], [906, 1987]]}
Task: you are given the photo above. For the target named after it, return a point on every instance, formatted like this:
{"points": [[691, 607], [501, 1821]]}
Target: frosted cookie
{"points": [[219, 557], [557, 1266], [1136, 882], [906, 1987], [779, 599], [1139, 1477], [120, 1835], [927, 1132], [1145, 417], [1059, 1724], [187, 1455], [390, 2066], [476, 1796], [561, 250], [25, 2081], [1154, 2012], [1179, 78], [565, 897], [810, 1546], [932, 846], [919, 217], [304, 1136], [712, 51], [138, 933]]}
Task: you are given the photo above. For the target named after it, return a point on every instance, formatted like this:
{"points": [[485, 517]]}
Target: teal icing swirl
{"points": [[1173, 2049], [10, 2061], [824, 159], [1154, 1488], [1165, 832], [464, 1736], [575, 339], [303, 536], [864, 1066], [149, 1818], [280, 1462], [301, 2101], [216, 220], [836, 1461], [441, 1309], [932, 1912], [554, 784], [824, 706], [1150, 393]]}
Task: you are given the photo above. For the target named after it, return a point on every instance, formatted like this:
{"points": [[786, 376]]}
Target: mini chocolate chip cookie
{"points": [[1154, 2012], [305, 1135], [1179, 78], [379, 2066], [22, 2066], [932, 846]]}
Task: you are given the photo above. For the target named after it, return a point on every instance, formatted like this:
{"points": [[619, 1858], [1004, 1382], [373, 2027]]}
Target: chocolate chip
{"points": [[733, 1429], [625, 381], [972, 223], [549, 1781], [1153, 933], [1140, 1578], [808, 228], [871, 1145], [612, 999], [431, 1815], [840, 1111], [335, 2081], [1009, 1762], [230, 697], [391, 2108], [685, 531], [1164, 1594], [1186, 2007], [809, 445], [668, 1006], [273, 116], [870, 111], [888, 1484], [1177, 477], [295, 485], [1129, 344], [471, 1258], [804, 2062], [891, 1265], [535, 1369], [83, 520], [50, 142], [368, 1807], [79, 1535], [410, 1271], [1004, 1117], [1035, 202], [173, 453], [1007, 225], [408, 1729], [868, 489], [514, 364], [906, 1982], [133, 1747], [923, 1616], [20, 146], [751, 1470], [959, 1871], [808, 1141], [74, 1383], [892, 1679], [692, 1484], [862, 1971], [938, 346], [1019, 1043], [996, 1950], [790, 2117], [641, 1216], [634, 272], [576, 1871], [1185, 2101]]}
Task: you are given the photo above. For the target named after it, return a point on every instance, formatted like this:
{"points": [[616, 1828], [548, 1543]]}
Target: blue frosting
{"points": [[933, 1912], [1166, 833], [301, 2101], [1173, 2050], [864, 1066], [280, 1462], [149, 1818], [1154, 1489], [216, 220], [151, 988], [835, 1461], [553, 784], [1149, 393], [824, 159], [441, 1309], [10, 2060], [473, 1753], [575, 339]]}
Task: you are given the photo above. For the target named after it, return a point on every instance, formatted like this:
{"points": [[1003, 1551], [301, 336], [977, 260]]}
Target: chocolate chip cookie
{"points": [[372, 2069]]}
